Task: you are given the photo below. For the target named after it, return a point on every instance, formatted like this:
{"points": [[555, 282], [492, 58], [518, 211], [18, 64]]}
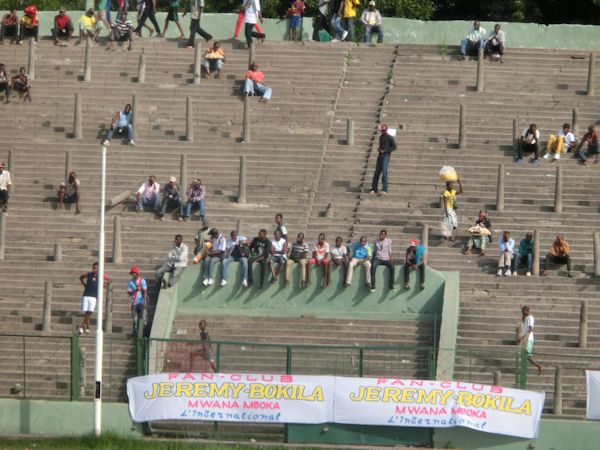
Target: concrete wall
{"points": [[397, 30]]}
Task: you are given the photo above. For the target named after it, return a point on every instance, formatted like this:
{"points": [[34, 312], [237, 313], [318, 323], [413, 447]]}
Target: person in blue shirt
{"points": [[416, 259], [360, 253], [137, 289], [121, 122]]}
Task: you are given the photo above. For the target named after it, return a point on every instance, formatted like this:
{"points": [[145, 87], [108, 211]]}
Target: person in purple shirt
{"points": [[195, 196], [382, 255]]}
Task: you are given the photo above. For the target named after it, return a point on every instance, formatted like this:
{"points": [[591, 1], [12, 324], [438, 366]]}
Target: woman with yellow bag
{"points": [[450, 219]]}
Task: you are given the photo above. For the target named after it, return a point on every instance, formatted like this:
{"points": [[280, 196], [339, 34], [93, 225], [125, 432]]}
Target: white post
{"points": [[99, 332]]}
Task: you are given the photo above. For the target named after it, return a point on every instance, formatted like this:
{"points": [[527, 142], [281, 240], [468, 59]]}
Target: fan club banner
{"points": [[593, 394], [321, 399]]}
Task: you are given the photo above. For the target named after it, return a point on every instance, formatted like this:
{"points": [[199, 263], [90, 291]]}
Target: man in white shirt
{"points": [[530, 142], [279, 251], [371, 20], [148, 194], [197, 8], [339, 255], [236, 249], [562, 143], [252, 15], [177, 260], [5, 187], [475, 39], [495, 43], [525, 337], [121, 122], [215, 254], [506, 245]]}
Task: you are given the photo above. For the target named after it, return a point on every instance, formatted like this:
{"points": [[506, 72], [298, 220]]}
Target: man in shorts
{"points": [[89, 280], [525, 337], [173, 16], [205, 350], [279, 251]]}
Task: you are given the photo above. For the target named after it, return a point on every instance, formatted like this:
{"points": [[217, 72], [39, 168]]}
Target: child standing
{"points": [[295, 13], [205, 349]]}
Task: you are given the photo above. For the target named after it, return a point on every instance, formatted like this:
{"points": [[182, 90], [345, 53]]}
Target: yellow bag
{"points": [[447, 173]]}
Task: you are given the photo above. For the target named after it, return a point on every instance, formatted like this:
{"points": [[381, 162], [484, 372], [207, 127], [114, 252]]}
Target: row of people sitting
{"points": [[278, 254]]}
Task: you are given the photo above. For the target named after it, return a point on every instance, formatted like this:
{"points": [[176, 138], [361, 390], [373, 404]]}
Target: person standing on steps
{"points": [[5, 188], [89, 280], [137, 288], [336, 21], [252, 15], [173, 16], [240, 21], [416, 259], [559, 254], [450, 219], [525, 337], [382, 255], [205, 350], [530, 142], [196, 9], [279, 226], [148, 11], [349, 14], [387, 144]]}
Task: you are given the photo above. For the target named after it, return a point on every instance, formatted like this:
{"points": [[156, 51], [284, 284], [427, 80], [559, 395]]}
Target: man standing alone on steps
{"points": [[387, 144], [5, 186], [89, 281], [525, 337]]}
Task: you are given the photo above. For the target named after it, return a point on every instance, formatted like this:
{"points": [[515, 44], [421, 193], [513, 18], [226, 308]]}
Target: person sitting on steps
{"points": [[525, 253], [481, 234], [416, 259], [475, 40], [63, 26], [148, 194], [20, 84], [590, 139], [9, 26], [506, 245], [214, 58], [29, 24], [254, 84], [121, 30], [4, 84], [495, 43], [559, 254], [68, 192], [561, 143], [196, 193], [120, 123], [170, 198], [529, 142]]}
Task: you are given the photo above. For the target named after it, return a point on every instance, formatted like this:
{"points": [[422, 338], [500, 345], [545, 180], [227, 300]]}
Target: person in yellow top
{"points": [[88, 26], [559, 254], [450, 220], [29, 24], [348, 12], [214, 58]]}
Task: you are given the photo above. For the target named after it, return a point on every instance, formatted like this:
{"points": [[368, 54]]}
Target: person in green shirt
{"points": [[173, 16], [525, 254]]}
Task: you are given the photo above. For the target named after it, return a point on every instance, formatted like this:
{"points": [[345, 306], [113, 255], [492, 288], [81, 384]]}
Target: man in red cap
{"points": [[138, 292], [387, 145], [415, 259]]}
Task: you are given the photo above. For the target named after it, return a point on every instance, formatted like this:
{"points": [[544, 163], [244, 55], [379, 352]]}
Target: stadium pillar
{"points": [[596, 254], [500, 189], [536, 253], [197, 62], [462, 140], [497, 378], [117, 257], [246, 121], [68, 163], [238, 227], [574, 124], [109, 302], [583, 324], [31, 60], [183, 172], [189, 120], [480, 71], [77, 126], [142, 68], [558, 191], [558, 394], [118, 199], [591, 75], [2, 234], [251, 54], [47, 315], [87, 61], [57, 252], [515, 144], [242, 184], [349, 131], [134, 114], [425, 236]]}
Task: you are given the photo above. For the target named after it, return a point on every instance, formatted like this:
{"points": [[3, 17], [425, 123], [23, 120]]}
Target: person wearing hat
{"points": [[215, 254], [63, 26], [561, 143], [195, 196], [29, 24], [5, 187], [416, 258], [177, 260], [138, 293], [387, 144], [88, 27], [254, 83], [371, 20], [170, 197]]}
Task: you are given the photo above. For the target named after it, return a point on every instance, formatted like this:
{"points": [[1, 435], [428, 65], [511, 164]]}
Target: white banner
{"points": [[321, 399], [231, 398], [593, 395], [437, 404]]}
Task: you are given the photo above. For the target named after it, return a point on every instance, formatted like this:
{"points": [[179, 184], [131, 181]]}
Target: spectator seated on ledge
{"points": [[29, 24], [122, 30], [214, 58], [339, 256], [416, 259], [177, 260], [279, 250], [298, 255], [529, 142], [236, 250], [371, 21], [360, 254], [254, 84], [121, 122], [195, 197], [68, 192], [561, 143], [88, 27], [559, 254], [9, 26], [382, 255], [170, 198], [295, 14], [506, 245], [588, 146], [63, 27], [260, 250], [321, 256], [214, 254], [494, 47], [148, 194], [20, 84], [525, 253], [481, 234], [475, 40], [4, 83]]}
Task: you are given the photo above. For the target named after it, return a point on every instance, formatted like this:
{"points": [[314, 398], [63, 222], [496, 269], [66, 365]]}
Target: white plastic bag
{"points": [[446, 227], [447, 173]]}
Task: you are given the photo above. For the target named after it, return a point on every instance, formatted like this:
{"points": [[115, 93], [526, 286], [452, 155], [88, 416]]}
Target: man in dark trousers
{"points": [[387, 144], [197, 8]]}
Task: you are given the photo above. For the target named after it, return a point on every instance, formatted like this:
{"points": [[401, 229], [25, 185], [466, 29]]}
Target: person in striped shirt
{"points": [[122, 30]]}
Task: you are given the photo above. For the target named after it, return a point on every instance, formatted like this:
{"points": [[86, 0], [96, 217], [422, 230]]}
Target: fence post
{"points": [[31, 59], [197, 63], [134, 115], [77, 126], [558, 394], [500, 189], [68, 164], [189, 120], [2, 235], [246, 121], [583, 324], [425, 236], [109, 304], [288, 363], [361, 357], [242, 181], [558, 190], [497, 378], [596, 254], [480, 71], [575, 121], [349, 131], [591, 75], [183, 172], [75, 369], [536, 253], [57, 252], [515, 136], [462, 140], [117, 257], [87, 61], [142, 68], [47, 315]]}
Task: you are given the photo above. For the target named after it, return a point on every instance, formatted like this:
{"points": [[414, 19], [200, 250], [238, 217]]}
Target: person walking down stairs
{"points": [[387, 144], [525, 337]]}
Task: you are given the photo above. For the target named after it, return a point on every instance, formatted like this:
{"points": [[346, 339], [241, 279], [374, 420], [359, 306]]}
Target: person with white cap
{"points": [[416, 259], [5, 187], [371, 20], [63, 26], [387, 144], [170, 198]]}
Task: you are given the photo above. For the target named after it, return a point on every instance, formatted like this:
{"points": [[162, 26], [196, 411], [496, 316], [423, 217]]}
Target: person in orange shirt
{"points": [[559, 254], [213, 60], [254, 84]]}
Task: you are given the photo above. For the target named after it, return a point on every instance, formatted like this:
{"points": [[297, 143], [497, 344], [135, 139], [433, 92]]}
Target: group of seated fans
{"points": [[19, 84], [279, 254]]}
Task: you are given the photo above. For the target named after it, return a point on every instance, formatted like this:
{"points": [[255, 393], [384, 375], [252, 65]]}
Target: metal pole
{"points": [[142, 68], [536, 253], [500, 189], [197, 63], [87, 63], [251, 54], [99, 332], [591, 71], [11, 168], [583, 324], [134, 115], [189, 120], [31, 60], [497, 378], [77, 126], [183, 172], [246, 121], [480, 71], [108, 314], [238, 227], [558, 190], [462, 141], [242, 181], [349, 131]]}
